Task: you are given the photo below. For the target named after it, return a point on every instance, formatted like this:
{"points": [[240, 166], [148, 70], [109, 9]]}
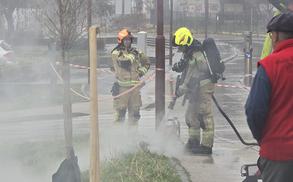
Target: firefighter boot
{"points": [[133, 116], [120, 115], [204, 150], [191, 145]]}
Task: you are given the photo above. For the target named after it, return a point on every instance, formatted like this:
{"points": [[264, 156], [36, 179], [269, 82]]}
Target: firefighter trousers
{"points": [[130, 102], [199, 116]]}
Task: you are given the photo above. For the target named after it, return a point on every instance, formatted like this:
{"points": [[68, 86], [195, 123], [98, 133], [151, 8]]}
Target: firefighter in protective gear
{"points": [[198, 88], [282, 6], [129, 66]]}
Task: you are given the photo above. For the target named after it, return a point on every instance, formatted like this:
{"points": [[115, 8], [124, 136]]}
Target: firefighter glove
{"points": [[142, 71], [181, 91], [179, 66], [115, 89]]}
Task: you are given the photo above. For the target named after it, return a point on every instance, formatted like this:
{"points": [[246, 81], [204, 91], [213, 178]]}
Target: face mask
{"points": [[127, 42]]}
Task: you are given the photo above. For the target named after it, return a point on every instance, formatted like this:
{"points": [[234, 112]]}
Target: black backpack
{"points": [[214, 58]]}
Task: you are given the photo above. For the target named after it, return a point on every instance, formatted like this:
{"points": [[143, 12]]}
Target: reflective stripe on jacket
{"points": [[129, 66]]}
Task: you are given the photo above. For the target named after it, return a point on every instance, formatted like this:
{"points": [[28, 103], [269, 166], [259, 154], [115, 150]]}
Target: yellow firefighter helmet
{"points": [[182, 37]]}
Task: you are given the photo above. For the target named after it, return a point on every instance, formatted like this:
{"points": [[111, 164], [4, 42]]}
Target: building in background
{"points": [[197, 7], [127, 7], [224, 15], [246, 14]]}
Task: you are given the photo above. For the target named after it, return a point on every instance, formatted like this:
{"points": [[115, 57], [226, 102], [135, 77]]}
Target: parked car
{"points": [[6, 54]]}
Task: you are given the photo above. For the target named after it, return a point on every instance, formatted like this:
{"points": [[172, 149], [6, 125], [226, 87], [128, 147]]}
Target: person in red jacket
{"points": [[269, 107]]}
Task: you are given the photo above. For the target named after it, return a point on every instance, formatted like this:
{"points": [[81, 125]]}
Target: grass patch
{"points": [[141, 166]]}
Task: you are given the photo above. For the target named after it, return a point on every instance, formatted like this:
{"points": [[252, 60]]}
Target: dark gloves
{"points": [[179, 66], [115, 89]]}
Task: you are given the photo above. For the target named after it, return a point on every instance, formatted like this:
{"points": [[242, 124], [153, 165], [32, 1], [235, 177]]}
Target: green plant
{"points": [[142, 166]]}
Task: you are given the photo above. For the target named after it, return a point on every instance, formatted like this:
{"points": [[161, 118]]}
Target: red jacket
{"points": [[277, 137]]}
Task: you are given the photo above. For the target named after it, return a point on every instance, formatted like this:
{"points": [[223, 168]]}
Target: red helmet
{"points": [[123, 34]]}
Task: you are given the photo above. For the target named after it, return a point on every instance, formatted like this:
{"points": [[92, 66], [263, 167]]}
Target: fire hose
{"points": [[231, 124]]}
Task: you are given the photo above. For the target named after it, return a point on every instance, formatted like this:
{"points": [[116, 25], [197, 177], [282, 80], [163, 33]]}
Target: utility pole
{"points": [[248, 58], [206, 6], [251, 18], [89, 24], [160, 64], [123, 7], [171, 34]]}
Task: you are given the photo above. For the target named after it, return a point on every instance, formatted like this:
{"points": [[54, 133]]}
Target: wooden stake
{"points": [[94, 134]]}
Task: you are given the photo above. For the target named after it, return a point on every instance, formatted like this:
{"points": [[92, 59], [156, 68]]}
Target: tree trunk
{"points": [[10, 22], [2, 27], [67, 107]]}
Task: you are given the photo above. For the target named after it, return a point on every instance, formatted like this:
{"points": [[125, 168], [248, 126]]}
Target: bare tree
{"points": [[103, 9], [138, 6], [149, 4], [7, 9], [65, 21], [2, 27]]}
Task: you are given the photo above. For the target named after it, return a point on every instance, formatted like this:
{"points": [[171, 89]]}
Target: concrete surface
{"points": [[39, 125]]}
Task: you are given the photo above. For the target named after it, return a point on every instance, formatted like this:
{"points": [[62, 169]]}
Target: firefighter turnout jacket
{"points": [[129, 66]]}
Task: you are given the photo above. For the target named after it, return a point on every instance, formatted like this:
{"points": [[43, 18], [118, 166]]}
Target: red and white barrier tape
{"points": [[140, 84], [170, 79], [71, 89], [233, 86], [85, 67], [147, 79]]}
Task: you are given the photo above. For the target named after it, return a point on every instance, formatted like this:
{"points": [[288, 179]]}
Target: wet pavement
{"points": [[40, 125], [228, 153]]}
